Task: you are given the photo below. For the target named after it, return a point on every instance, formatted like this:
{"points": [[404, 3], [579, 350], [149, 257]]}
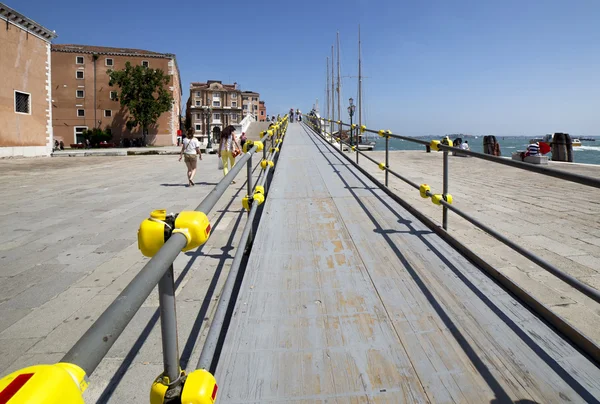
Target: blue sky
{"points": [[508, 67]]}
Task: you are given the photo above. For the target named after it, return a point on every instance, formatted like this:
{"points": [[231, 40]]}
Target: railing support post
{"points": [[250, 186], [445, 190], [387, 158], [168, 325]]}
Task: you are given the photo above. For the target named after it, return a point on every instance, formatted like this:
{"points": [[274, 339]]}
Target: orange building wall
{"points": [[24, 66], [65, 104]]}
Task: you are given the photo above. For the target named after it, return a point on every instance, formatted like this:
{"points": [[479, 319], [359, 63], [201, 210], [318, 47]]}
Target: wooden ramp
{"points": [[348, 298]]}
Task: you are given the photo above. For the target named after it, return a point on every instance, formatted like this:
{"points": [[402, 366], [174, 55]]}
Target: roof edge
{"points": [[18, 19]]}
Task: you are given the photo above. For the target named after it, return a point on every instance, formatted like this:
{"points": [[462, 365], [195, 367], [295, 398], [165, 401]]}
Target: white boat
{"points": [[548, 139]]}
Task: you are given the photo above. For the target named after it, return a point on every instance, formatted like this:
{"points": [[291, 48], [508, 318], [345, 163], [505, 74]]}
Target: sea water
{"points": [[588, 152]]}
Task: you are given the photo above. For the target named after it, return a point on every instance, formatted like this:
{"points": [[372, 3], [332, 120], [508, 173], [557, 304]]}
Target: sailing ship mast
{"points": [[327, 88], [339, 87], [359, 82], [332, 93]]}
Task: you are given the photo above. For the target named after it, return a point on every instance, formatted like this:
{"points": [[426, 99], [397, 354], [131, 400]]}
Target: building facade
{"points": [[213, 106], [262, 112], [25, 86], [250, 103], [82, 98]]}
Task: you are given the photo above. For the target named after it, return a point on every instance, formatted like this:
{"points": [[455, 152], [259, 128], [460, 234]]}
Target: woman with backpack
{"points": [[228, 149]]}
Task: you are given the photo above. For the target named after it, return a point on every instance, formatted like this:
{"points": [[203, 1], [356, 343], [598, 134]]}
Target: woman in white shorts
{"points": [[191, 151]]}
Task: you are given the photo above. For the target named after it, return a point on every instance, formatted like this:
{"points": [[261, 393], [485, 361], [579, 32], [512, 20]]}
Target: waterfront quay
{"points": [[557, 220]]}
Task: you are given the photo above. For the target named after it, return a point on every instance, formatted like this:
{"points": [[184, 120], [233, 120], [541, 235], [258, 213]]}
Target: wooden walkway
{"points": [[347, 298]]}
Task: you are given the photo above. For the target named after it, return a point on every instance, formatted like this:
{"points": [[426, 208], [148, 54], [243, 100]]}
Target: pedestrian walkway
{"points": [[349, 298]]}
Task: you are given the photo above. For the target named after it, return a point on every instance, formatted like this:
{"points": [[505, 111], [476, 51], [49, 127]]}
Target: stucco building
{"points": [[250, 103], [25, 86], [262, 111], [213, 106], [82, 98]]}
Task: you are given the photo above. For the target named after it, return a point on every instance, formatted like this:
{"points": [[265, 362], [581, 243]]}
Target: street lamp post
{"points": [[351, 109], [208, 112]]}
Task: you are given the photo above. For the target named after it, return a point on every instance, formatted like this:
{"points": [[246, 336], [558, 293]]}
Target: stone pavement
{"points": [[69, 246], [555, 219], [136, 151]]}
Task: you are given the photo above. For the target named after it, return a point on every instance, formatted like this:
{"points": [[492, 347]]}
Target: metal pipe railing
{"points": [[216, 327], [91, 348], [570, 280], [552, 172]]}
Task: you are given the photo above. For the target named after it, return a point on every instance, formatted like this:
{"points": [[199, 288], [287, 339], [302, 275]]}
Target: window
{"points": [[216, 116], [198, 94], [244, 98], [254, 99], [245, 107], [234, 104], [233, 96], [198, 103], [22, 102], [198, 116], [216, 103], [198, 127], [262, 113], [109, 62], [79, 60], [255, 107], [216, 95], [79, 74], [145, 63], [234, 117], [80, 94], [81, 112], [113, 95], [107, 113]]}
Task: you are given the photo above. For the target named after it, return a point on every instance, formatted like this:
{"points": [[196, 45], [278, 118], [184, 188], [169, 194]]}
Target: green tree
{"points": [[144, 92]]}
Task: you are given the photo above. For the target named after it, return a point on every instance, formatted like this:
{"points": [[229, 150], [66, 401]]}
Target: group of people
{"points": [[297, 115], [228, 150]]}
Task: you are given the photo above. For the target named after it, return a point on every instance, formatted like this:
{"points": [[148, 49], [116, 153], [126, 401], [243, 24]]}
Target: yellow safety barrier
{"points": [[200, 388], [246, 202], [159, 388], [195, 226], [382, 166], [251, 143], [155, 231], [151, 234], [270, 133], [274, 149], [263, 164], [446, 141], [363, 129], [437, 198], [61, 383], [353, 148], [424, 189], [384, 133], [435, 145]]}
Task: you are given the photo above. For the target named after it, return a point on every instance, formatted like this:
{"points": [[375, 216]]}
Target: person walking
{"points": [[291, 115], [228, 149], [299, 115], [190, 150]]}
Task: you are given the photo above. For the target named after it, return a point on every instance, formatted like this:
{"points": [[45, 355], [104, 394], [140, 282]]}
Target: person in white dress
{"points": [[191, 151]]}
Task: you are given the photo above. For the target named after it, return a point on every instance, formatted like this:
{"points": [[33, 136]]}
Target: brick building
{"points": [[25, 86], [82, 98], [262, 112]]}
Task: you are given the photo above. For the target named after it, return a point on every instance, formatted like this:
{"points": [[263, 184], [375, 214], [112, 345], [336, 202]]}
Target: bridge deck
{"points": [[349, 298]]}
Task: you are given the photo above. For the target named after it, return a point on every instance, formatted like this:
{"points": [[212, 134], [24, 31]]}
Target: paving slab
{"points": [[70, 246]]}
